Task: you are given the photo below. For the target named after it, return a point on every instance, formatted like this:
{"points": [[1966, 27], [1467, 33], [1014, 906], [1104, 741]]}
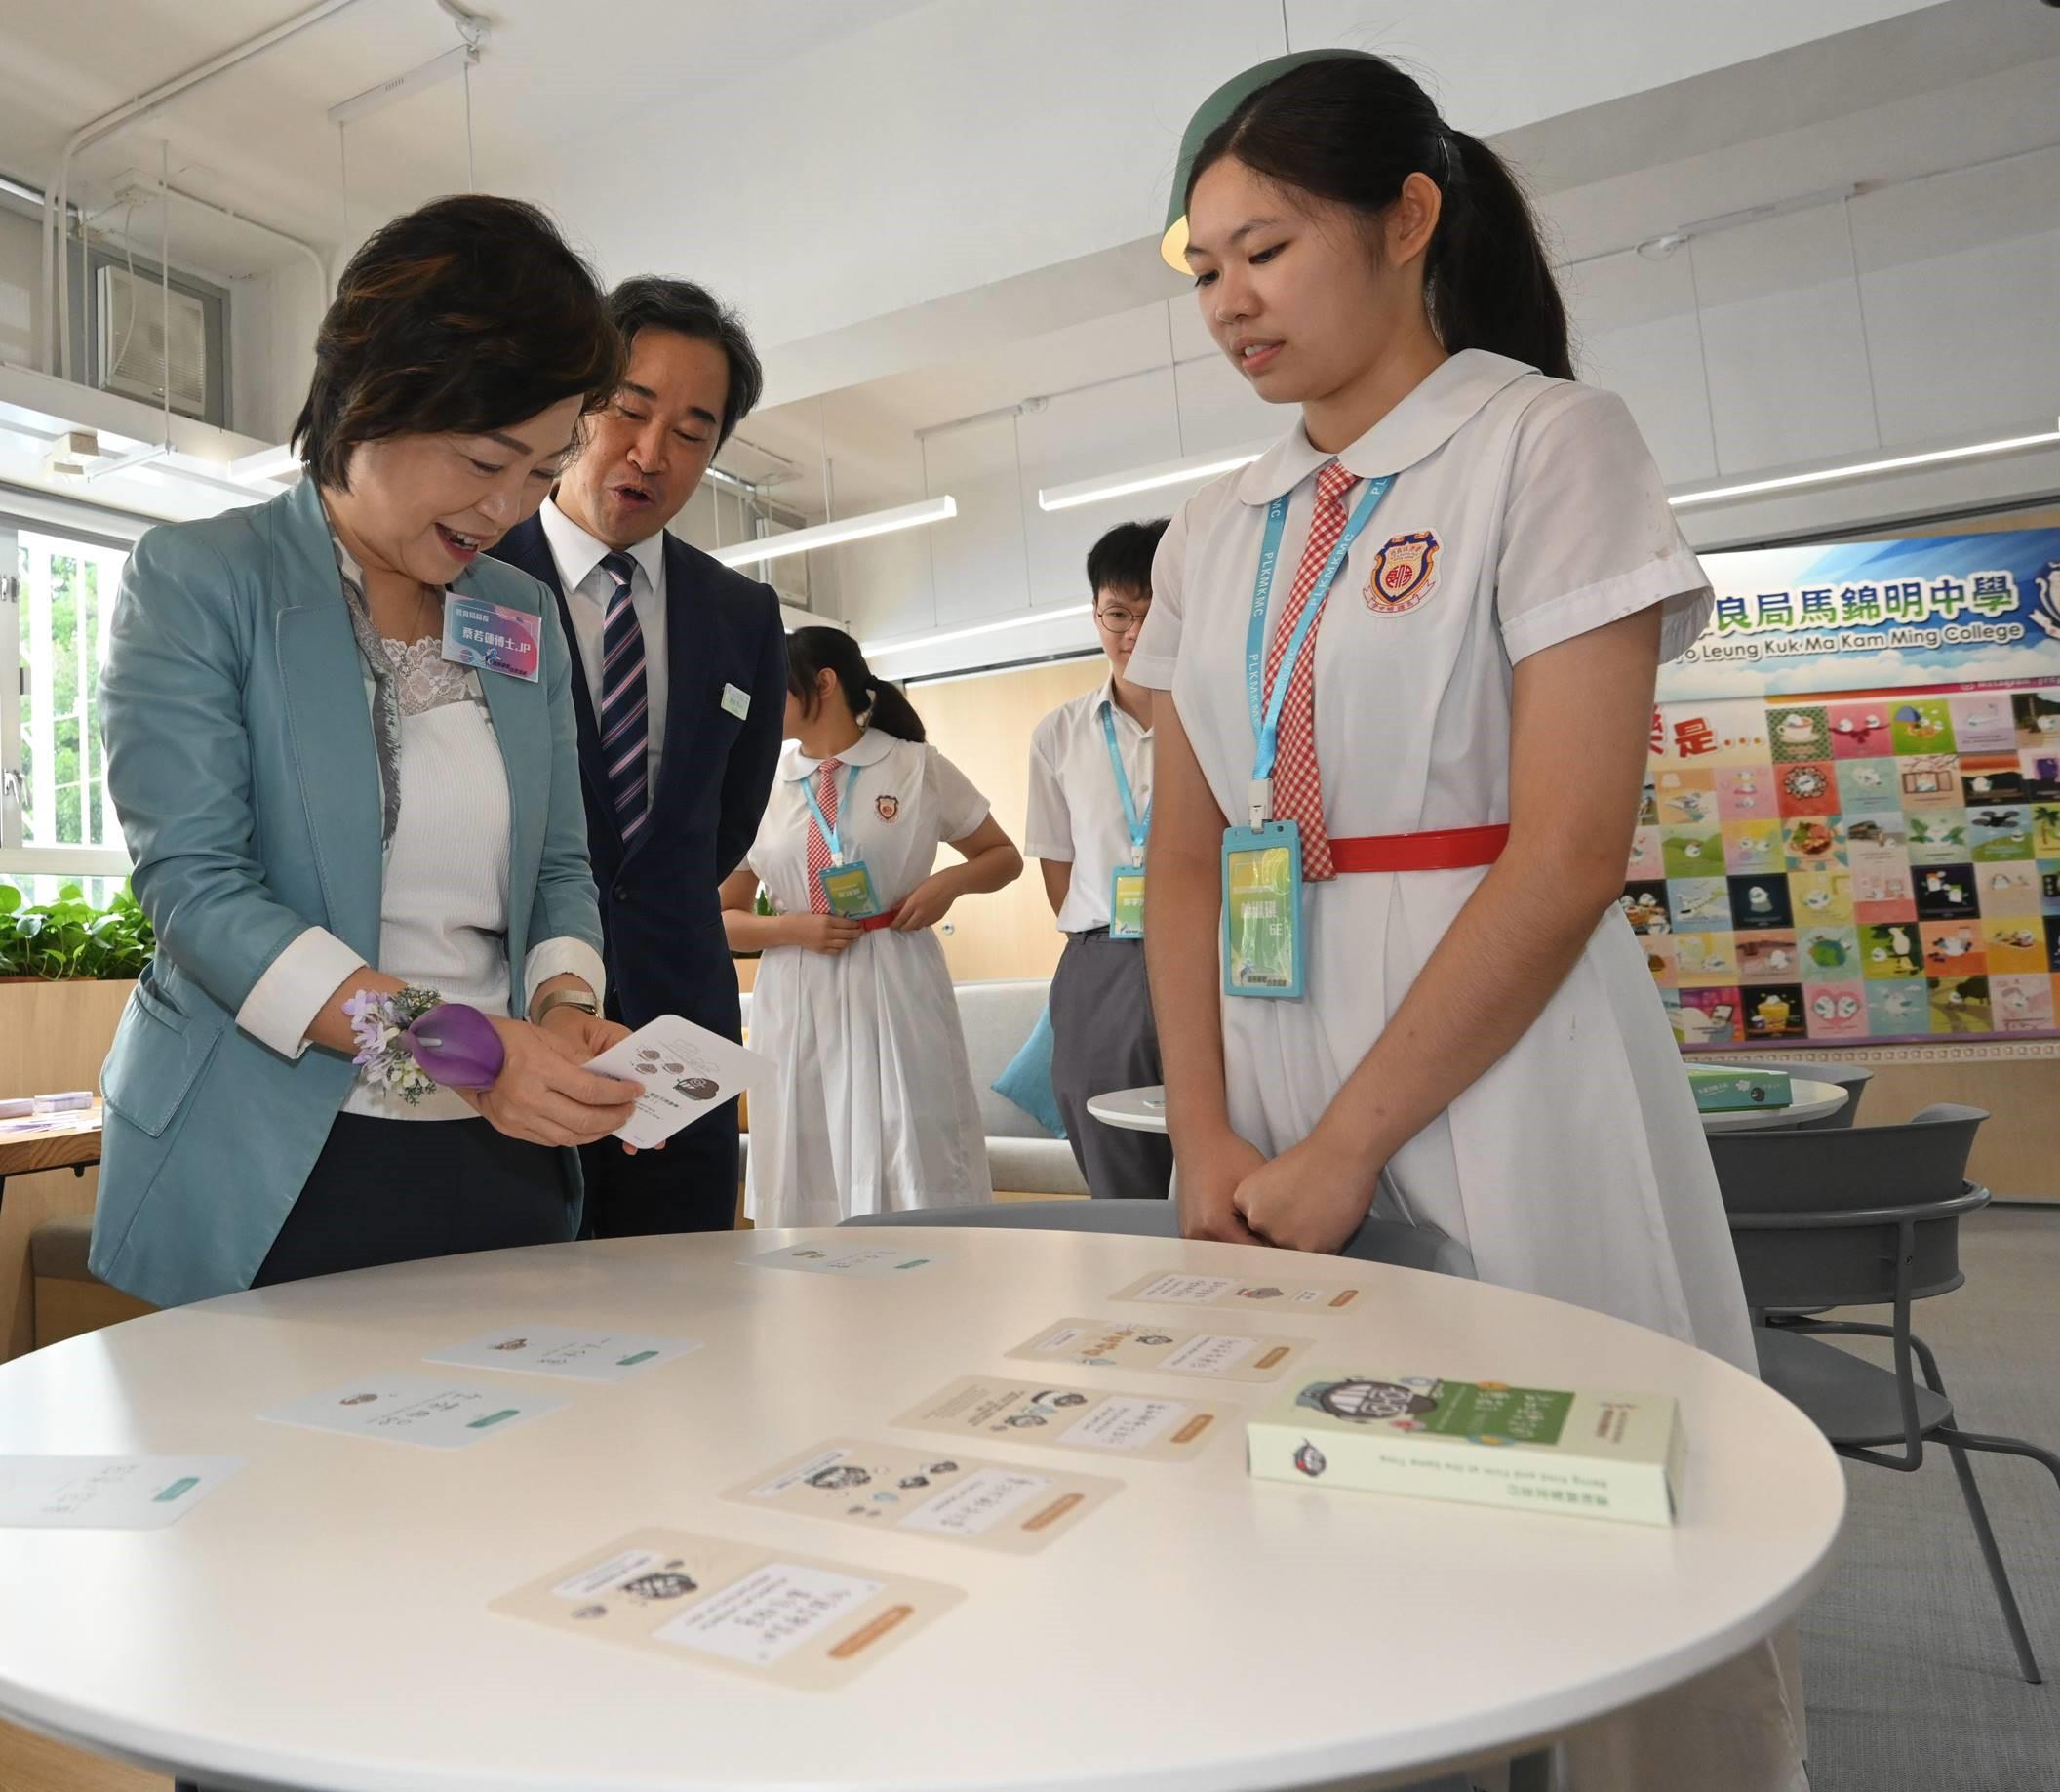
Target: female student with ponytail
{"points": [[1410, 654], [875, 1109]]}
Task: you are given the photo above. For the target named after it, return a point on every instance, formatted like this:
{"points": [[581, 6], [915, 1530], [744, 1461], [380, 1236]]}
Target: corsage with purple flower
{"points": [[413, 1040]]}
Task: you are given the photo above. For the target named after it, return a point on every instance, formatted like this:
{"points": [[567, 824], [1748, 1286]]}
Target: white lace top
{"points": [[426, 679], [443, 920]]}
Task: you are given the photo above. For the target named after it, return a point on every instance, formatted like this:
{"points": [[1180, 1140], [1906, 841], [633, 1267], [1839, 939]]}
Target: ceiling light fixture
{"points": [[1859, 469], [831, 534], [1146, 478], [906, 642]]}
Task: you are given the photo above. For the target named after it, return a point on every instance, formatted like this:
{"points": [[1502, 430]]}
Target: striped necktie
{"points": [[1297, 780], [625, 701], [819, 846]]}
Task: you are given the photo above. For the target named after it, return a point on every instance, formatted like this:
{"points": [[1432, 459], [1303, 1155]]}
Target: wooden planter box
{"points": [[52, 1037]]}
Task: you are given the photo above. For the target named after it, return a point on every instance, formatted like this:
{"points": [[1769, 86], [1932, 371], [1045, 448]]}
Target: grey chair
{"points": [[1851, 1078], [1377, 1241], [1866, 1217]]}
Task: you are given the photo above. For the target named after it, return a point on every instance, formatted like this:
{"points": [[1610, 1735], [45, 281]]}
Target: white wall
{"points": [[21, 287], [1947, 334], [272, 322], [1955, 284], [973, 141]]}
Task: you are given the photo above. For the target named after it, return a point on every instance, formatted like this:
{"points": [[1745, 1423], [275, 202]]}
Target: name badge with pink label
{"points": [[493, 637]]}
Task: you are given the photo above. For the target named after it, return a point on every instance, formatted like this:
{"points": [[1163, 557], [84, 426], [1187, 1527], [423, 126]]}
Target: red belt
{"points": [[872, 923], [1455, 849]]}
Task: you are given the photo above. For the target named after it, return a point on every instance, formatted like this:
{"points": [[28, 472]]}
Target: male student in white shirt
{"points": [[1091, 802]]}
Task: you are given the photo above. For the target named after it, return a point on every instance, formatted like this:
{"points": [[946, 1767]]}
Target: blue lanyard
{"points": [[1140, 828], [1266, 715], [829, 834]]}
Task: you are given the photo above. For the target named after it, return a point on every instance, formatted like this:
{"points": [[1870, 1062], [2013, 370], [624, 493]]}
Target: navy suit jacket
{"points": [[661, 910]]}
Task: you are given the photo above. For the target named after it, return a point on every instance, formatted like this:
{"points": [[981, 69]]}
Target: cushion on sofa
{"points": [[1027, 1081]]}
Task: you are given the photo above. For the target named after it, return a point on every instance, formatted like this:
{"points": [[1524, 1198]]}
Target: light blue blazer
{"points": [[241, 762]]}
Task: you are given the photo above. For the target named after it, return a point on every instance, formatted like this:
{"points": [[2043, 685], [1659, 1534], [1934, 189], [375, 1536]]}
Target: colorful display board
{"points": [[1851, 828]]}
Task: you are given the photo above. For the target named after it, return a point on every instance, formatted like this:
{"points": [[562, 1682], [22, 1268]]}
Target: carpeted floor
{"points": [[1911, 1681]]}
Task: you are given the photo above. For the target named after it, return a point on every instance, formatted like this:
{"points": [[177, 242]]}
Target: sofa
{"points": [[997, 1018]]}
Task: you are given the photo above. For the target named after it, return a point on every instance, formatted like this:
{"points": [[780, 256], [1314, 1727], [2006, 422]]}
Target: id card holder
{"points": [[850, 888], [1262, 910], [1126, 904]]}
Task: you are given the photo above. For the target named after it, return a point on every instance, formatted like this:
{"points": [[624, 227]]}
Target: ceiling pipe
{"points": [[56, 263], [145, 186]]}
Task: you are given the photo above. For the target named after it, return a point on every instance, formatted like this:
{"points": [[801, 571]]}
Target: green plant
{"points": [[71, 939]]}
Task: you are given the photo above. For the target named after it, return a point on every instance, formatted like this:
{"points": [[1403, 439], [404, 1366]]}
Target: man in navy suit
{"points": [[681, 687]]}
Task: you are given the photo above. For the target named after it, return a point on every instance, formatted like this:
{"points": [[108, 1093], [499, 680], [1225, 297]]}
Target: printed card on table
{"points": [[1150, 1426], [1172, 1350], [566, 1350], [106, 1492], [1232, 1294], [685, 1071], [797, 1620], [843, 1260], [414, 1409], [889, 1486]]}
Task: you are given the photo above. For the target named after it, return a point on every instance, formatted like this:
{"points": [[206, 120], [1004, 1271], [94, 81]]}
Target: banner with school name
{"points": [[1851, 828]]}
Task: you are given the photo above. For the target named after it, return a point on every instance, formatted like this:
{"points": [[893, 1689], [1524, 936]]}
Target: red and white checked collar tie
{"points": [[819, 846], [1297, 780]]}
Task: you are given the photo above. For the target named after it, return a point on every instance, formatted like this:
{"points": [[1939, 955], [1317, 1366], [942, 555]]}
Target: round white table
{"points": [[1143, 1110], [1132, 1110], [321, 1620]]}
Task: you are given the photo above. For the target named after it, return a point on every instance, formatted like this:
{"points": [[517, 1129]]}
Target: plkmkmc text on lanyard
{"points": [[849, 887], [1262, 863], [1126, 886]]}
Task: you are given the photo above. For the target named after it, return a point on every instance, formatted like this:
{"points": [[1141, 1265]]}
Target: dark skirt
{"points": [[392, 1191]]}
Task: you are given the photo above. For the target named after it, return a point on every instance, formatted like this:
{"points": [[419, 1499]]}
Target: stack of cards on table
{"points": [[685, 1071], [1536, 1449]]}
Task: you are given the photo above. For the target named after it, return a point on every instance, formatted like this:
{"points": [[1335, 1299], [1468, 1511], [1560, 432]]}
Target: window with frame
{"points": [[57, 824]]}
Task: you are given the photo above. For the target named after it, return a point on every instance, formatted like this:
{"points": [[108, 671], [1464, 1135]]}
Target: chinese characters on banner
{"points": [[1851, 825]]}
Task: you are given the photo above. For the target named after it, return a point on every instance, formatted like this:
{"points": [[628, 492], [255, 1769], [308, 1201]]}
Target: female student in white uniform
{"points": [[875, 1109], [1460, 744]]}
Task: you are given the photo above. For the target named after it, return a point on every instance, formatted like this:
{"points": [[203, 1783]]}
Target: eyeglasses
{"points": [[1118, 621]]}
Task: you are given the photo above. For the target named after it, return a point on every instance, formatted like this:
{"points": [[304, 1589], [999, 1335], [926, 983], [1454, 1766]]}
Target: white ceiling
{"points": [[1941, 89], [553, 77]]}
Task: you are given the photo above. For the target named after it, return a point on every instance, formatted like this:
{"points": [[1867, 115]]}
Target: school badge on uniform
{"points": [[1404, 573], [886, 808]]}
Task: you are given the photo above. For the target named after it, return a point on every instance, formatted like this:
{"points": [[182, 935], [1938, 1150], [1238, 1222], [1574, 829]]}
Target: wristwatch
{"points": [[581, 999]]}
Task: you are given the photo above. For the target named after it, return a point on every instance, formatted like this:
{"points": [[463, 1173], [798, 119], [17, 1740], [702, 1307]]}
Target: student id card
{"points": [[1262, 910], [1126, 904], [851, 890]]}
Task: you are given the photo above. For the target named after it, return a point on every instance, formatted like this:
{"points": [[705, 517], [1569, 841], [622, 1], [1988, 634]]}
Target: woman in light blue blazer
{"points": [[341, 747]]}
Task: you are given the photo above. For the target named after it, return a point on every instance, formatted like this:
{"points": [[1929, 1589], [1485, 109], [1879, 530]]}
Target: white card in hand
{"points": [[685, 1071], [414, 1409], [106, 1492], [566, 1350]]}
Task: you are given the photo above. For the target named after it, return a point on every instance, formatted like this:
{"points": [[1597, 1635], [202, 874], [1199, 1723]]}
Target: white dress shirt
{"points": [[587, 592], [1075, 813]]}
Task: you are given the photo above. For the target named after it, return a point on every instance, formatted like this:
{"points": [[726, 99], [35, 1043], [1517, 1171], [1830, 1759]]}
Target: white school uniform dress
{"points": [[1577, 1166], [875, 1109]]}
